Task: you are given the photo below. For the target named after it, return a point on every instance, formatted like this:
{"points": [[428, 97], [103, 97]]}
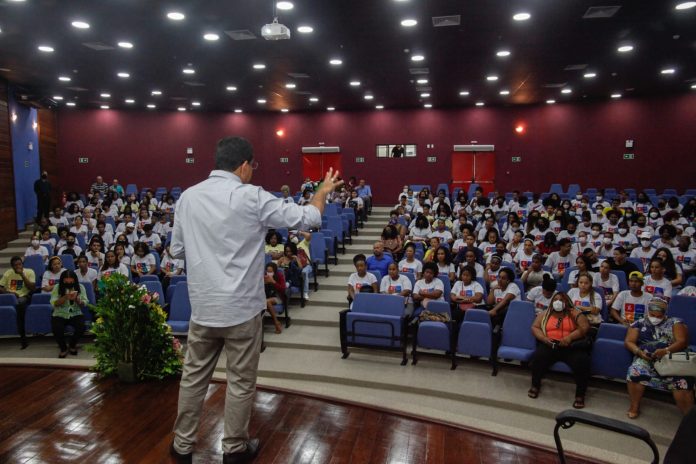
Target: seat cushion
{"points": [[520, 354], [179, 326], [373, 329], [475, 339], [434, 335]]}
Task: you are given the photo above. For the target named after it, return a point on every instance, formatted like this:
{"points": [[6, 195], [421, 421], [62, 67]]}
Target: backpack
{"points": [[293, 274]]}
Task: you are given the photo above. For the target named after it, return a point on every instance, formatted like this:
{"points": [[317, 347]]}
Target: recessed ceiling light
{"points": [[668, 71], [125, 45], [57, 97], [625, 48], [285, 5], [181, 108], [685, 6], [615, 95], [693, 86], [425, 95], [379, 107], [567, 91], [189, 71], [176, 16], [123, 75], [521, 16], [259, 66], [64, 78], [480, 103], [46, 48], [335, 62], [105, 95], [550, 102], [156, 93], [464, 93], [151, 106], [305, 29], [502, 53], [261, 101], [104, 107], [130, 101], [369, 97], [284, 110], [409, 22], [231, 88], [80, 24], [491, 78], [330, 108], [428, 105], [355, 83], [590, 75], [290, 85], [195, 103], [237, 110], [504, 92], [422, 81], [313, 99], [211, 37], [70, 104], [417, 58]]}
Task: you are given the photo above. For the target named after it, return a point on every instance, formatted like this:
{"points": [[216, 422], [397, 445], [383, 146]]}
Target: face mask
{"points": [[655, 320], [34, 243], [572, 213], [579, 197], [595, 233], [487, 215], [623, 231], [606, 240], [599, 197], [653, 215], [645, 243], [558, 306], [583, 240]]}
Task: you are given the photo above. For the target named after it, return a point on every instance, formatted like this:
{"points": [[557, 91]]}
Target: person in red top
{"points": [[274, 285], [556, 330]]}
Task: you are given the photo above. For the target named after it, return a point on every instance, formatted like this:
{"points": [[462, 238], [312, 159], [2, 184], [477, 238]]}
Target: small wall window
{"points": [[396, 151]]}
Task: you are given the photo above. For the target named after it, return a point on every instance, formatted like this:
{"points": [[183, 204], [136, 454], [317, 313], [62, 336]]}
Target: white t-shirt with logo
{"points": [[467, 291], [687, 259], [536, 296], [415, 267], [512, 289], [581, 302], [90, 277], [631, 308], [661, 287], [390, 286], [610, 286], [558, 263], [145, 264], [357, 282], [644, 256], [435, 284]]}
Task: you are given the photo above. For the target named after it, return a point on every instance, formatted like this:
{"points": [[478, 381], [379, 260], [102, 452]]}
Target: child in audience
{"points": [[143, 263], [52, 274], [47, 240], [274, 286], [673, 271], [442, 232], [86, 274], [152, 240], [421, 230], [94, 256], [607, 247], [499, 298], [524, 258], [396, 284], [667, 233], [470, 260], [112, 265], [410, 263], [444, 263], [684, 255], [123, 258], [360, 278], [429, 288], [559, 261], [467, 292], [534, 275], [35, 248], [68, 297], [170, 266], [587, 300], [430, 252], [631, 305], [607, 281], [274, 245], [541, 295], [646, 251]]}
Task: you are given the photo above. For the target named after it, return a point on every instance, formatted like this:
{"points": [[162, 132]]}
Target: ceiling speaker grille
{"points": [[597, 12], [242, 34], [98, 46], [446, 21]]}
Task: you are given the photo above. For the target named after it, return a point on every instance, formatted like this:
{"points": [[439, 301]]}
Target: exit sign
{"points": [[359, 159], [516, 159], [284, 160], [432, 159], [629, 156], [190, 160], [83, 160]]}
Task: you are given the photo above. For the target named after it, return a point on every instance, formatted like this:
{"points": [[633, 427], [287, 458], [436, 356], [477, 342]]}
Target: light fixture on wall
{"points": [[35, 125], [14, 117], [520, 129], [280, 133]]}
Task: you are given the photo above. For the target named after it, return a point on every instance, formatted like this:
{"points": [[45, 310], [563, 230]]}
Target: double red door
{"points": [[315, 165], [472, 167]]}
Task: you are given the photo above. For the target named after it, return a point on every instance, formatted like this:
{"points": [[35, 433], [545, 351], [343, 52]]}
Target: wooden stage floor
{"points": [[60, 416]]}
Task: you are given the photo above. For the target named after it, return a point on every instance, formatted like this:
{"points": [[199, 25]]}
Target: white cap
{"points": [[131, 225], [645, 235]]}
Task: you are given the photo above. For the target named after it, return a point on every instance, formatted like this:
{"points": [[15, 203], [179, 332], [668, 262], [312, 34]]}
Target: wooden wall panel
{"points": [[48, 150], [8, 231]]}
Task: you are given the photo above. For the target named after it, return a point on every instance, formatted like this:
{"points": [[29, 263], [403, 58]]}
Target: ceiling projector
{"points": [[275, 31]]}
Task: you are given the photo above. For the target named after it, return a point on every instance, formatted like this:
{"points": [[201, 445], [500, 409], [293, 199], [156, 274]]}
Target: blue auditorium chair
{"points": [[434, 335], [175, 279], [8, 299], [573, 190], [68, 262], [518, 342], [610, 358], [319, 254], [180, 309], [41, 298], [131, 189], [8, 320], [556, 188], [378, 276], [335, 223], [375, 321], [36, 264], [155, 286], [684, 307], [623, 283], [475, 337], [149, 278], [38, 319]]}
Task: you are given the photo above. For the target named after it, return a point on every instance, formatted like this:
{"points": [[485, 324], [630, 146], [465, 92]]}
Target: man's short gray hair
{"points": [[232, 152]]}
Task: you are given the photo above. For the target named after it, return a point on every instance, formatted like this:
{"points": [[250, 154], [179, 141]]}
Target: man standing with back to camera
{"points": [[219, 229]]}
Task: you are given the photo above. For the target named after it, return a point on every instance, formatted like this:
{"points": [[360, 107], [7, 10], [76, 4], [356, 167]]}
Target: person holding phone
{"points": [[68, 298]]}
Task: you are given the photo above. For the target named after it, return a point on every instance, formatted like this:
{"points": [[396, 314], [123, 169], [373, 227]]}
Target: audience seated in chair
{"points": [[68, 298]]}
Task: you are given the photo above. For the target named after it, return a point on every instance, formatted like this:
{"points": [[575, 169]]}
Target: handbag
{"points": [[681, 364]]}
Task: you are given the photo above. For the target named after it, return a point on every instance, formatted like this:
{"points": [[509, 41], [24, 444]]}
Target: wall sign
{"points": [[629, 156], [83, 160], [432, 159], [284, 160], [516, 159], [359, 159], [190, 160]]}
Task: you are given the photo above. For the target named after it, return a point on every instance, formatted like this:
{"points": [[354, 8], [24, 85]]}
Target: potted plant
{"points": [[132, 337]]}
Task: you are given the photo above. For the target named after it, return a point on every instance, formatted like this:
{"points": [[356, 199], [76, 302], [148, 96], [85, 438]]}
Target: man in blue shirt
{"points": [[365, 193], [379, 261]]}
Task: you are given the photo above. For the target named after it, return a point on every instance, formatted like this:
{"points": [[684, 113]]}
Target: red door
{"points": [[315, 165], [471, 167]]}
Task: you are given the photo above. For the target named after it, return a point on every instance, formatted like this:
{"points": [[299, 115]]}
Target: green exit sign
{"points": [[516, 159], [629, 156]]}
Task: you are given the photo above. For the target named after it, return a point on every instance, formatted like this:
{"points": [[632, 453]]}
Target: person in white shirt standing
{"points": [[219, 229]]}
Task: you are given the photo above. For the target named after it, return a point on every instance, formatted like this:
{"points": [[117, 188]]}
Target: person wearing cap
{"points": [[630, 305], [645, 251], [130, 233], [650, 339]]}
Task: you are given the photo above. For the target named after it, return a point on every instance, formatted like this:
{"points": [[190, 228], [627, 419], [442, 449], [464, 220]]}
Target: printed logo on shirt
{"points": [[634, 312], [466, 293], [16, 285], [540, 305], [562, 266], [358, 285], [608, 291], [524, 264], [94, 266], [142, 268], [489, 249], [394, 289], [169, 267], [584, 304], [654, 290]]}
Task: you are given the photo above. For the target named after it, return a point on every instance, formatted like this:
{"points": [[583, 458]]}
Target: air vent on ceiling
{"points": [[446, 21], [299, 75], [424, 89], [77, 89], [597, 12], [303, 92], [419, 71], [179, 98], [98, 46], [242, 34], [575, 67], [555, 85], [195, 84]]}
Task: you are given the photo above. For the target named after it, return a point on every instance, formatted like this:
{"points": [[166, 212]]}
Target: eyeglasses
{"points": [[254, 165]]}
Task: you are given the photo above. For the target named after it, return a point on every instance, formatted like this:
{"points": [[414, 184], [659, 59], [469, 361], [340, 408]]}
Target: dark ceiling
{"points": [[552, 50]]}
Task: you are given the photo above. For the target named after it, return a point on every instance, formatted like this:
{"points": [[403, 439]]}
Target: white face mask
{"points": [[655, 320], [606, 240], [583, 240], [35, 243], [595, 233], [579, 197], [645, 243], [623, 231], [599, 197], [558, 306], [653, 215]]}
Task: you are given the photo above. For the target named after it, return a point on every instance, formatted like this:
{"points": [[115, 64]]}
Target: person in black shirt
{"points": [[42, 189], [619, 262], [397, 151]]}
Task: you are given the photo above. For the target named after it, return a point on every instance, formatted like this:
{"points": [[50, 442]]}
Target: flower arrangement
{"points": [[131, 330]]}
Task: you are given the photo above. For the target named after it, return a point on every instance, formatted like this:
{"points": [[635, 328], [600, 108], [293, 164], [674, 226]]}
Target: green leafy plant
{"points": [[131, 327]]}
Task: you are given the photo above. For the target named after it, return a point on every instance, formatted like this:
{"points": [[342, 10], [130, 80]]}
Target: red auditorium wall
{"points": [[566, 143]]}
